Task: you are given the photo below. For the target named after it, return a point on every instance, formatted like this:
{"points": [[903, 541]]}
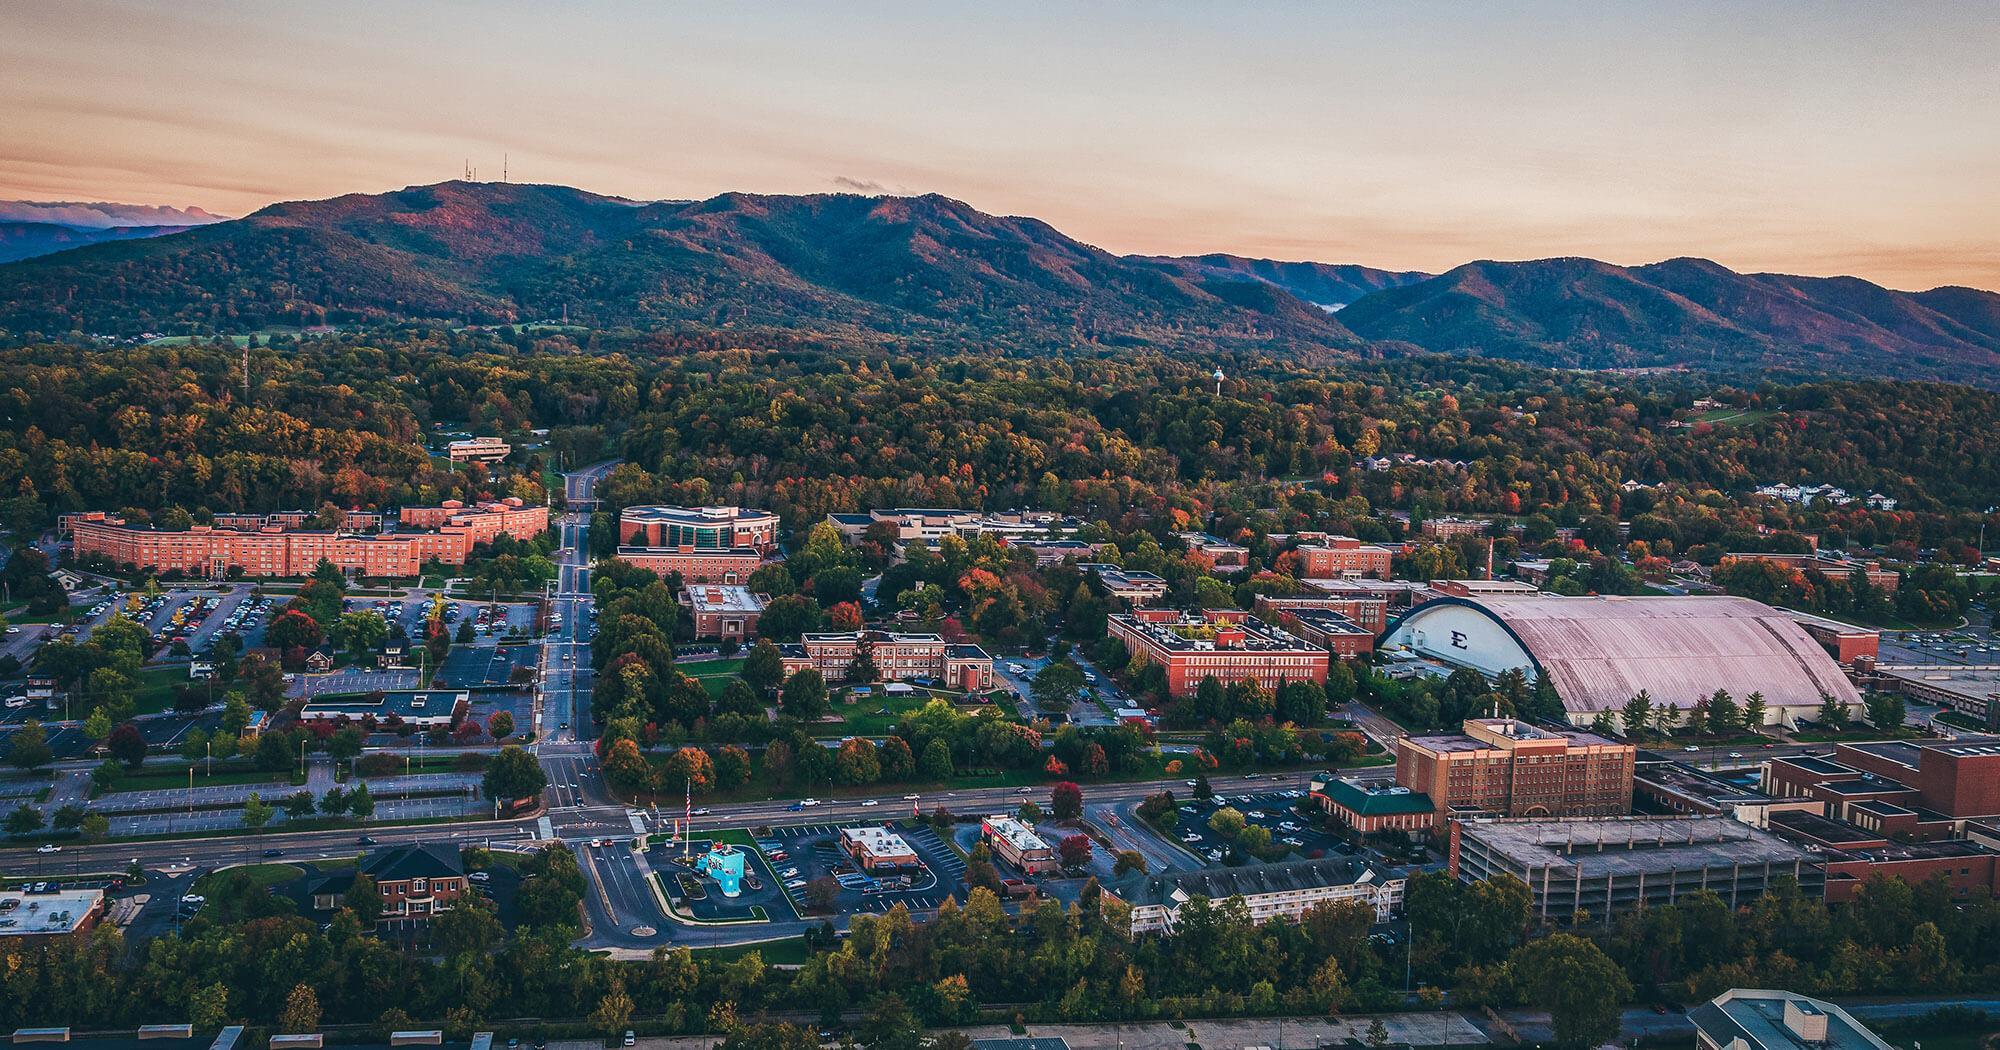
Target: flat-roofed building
{"points": [[1017, 844], [423, 708], [1055, 552], [450, 533], [1343, 558], [1395, 594], [878, 849], [1763, 1019], [927, 525], [701, 544], [1941, 783], [1605, 866], [1228, 645], [1851, 853], [1133, 586], [1448, 528], [1371, 613], [1506, 767], [1832, 566], [478, 450], [1269, 891], [1661, 785], [897, 657], [725, 611], [1329, 630], [1220, 553], [1845, 642], [51, 915]]}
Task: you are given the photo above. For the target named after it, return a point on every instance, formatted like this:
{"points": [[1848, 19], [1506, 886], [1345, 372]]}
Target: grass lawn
{"points": [[262, 876], [1735, 417], [16, 612], [156, 778], [714, 675], [790, 951], [862, 717], [156, 689]]}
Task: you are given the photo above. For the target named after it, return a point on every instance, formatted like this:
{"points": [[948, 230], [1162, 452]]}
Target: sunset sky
{"points": [[1806, 138]]}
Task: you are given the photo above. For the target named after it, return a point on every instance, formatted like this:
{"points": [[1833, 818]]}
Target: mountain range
{"points": [[931, 272]]}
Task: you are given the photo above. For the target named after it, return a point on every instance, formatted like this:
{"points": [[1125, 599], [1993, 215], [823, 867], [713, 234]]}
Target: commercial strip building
{"points": [[1017, 844], [897, 657], [878, 849], [1230, 646], [1343, 558], [701, 544], [478, 450], [1506, 767], [1132, 586], [1599, 651], [1370, 613], [725, 611], [1762, 1019], [1270, 891], [51, 915], [1604, 866], [449, 532], [422, 708]]}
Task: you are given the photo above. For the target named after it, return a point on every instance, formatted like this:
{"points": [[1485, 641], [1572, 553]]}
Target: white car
{"points": [[49, 847], [871, 802], [793, 884], [809, 802], [911, 798]]}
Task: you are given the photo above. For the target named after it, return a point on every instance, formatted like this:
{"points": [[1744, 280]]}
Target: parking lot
{"points": [[801, 853], [1274, 811], [1973, 645], [484, 666]]}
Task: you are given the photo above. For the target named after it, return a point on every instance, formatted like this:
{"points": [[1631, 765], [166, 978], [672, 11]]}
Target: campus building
{"points": [[1220, 552], [1506, 767], [1269, 891], [478, 450], [251, 521], [1832, 566], [878, 850], [1330, 631], [1604, 866], [449, 533], [1761, 1019], [1448, 528], [1371, 613], [1055, 552], [1227, 645], [1845, 642], [1599, 651], [702, 544], [1852, 854], [927, 525], [1017, 844], [1662, 785], [1133, 586], [1902, 789], [897, 657], [725, 611], [1343, 558]]}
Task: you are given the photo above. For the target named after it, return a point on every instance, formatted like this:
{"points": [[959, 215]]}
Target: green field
{"points": [[865, 717], [262, 876], [156, 778], [714, 675], [156, 689], [1735, 417], [790, 951]]}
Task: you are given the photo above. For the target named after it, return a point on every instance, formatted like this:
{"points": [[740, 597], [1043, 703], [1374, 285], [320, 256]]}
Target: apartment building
{"points": [[1343, 558], [275, 550], [1229, 645], [1269, 891], [478, 450], [1506, 767], [703, 544], [897, 657]]}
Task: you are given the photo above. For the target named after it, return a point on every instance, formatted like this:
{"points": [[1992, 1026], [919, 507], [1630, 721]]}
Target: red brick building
{"points": [[1504, 767], [415, 882], [1901, 789], [703, 544], [1330, 631], [275, 550], [897, 657], [1343, 557], [723, 611], [1372, 613], [1228, 644]]}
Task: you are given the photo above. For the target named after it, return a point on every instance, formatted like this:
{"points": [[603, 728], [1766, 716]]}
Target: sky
{"points": [[1815, 138]]}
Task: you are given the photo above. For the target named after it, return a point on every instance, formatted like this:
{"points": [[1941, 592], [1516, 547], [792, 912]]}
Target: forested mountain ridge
{"points": [[26, 240], [931, 273], [926, 270], [1585, 313]]}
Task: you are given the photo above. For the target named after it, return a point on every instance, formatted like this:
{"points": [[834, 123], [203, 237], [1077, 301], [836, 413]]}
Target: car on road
{"points": [[274, 853], [809, 802], [701, 811], [479, 876], [49, 847], [870, 802], [1690, 747], [365, 840], [1736, 754], [795, 807], [911, 798]]}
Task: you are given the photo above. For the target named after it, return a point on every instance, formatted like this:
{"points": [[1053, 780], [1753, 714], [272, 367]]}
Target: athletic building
{"points": [[1599, 651]]}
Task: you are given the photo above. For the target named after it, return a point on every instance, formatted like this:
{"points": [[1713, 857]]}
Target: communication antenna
{"points": [[468, 169], [503, 167]]}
